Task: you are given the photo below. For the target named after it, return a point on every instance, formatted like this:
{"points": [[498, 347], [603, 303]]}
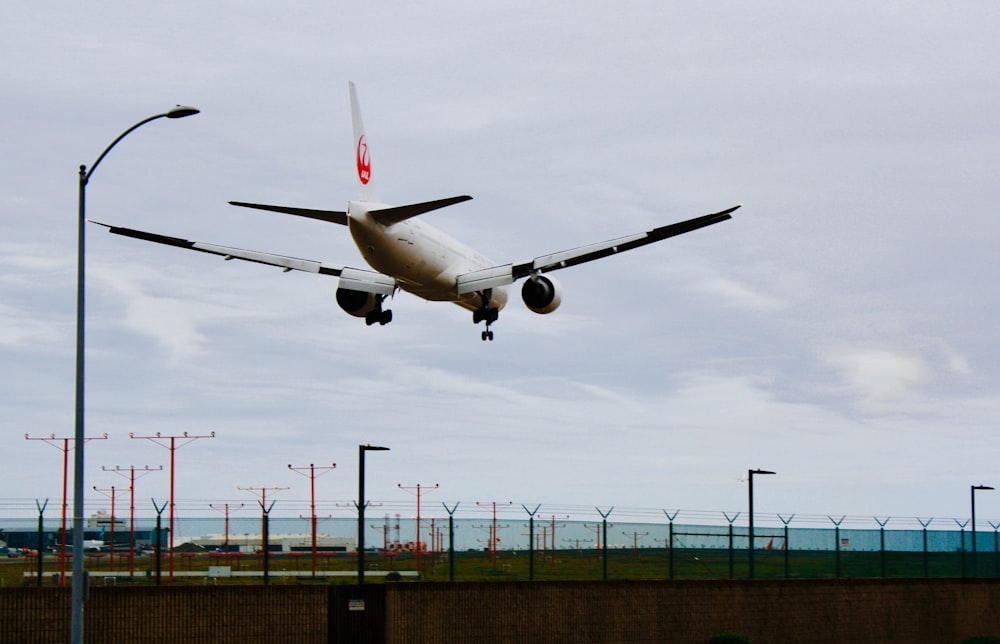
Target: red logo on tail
{"points": [[364, 161]]}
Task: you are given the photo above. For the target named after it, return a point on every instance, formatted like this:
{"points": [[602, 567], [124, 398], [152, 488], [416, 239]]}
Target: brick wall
{"points": [[769, 611], [690, 611]]}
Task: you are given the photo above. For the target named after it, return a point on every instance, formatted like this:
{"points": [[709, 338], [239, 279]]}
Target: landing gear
{"points": [[486, 313], [377, 315]]}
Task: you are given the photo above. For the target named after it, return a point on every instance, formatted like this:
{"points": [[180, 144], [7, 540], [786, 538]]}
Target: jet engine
{"points": [[541, 294], [357, 303]]}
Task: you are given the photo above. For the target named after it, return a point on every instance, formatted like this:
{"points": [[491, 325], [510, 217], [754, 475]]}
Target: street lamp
{"points": [[78, 486], [750, 474], [361, 506], [972, 492]]}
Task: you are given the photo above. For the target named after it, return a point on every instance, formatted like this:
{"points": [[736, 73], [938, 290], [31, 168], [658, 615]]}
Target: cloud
{"points": [[878, 377]]}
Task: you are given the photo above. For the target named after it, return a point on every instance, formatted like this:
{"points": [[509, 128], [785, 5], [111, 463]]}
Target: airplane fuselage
{"points": [[424, 260]]}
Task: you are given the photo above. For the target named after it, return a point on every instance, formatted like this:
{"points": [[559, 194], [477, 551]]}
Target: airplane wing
{"points": [[352, 278], [509, 273]]}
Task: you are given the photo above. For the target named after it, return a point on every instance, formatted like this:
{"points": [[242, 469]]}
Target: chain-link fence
{"points": [[491, 541]]}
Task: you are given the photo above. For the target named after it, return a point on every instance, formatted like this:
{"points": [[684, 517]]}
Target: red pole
{"points": [[131, 524], [225, 509], [418, 488], [113, 494], [62, 559], [173, 448], [51, 440], [131, 511], [111, 553], [312, 509], [312, 503]]}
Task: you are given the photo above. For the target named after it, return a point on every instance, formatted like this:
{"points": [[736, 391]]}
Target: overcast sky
{"points": [[841, 330]]}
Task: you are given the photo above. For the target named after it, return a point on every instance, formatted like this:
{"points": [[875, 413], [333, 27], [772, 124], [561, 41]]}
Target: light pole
{"points": [[361, 506], [973, 494], [750, 474], [78, 485]]}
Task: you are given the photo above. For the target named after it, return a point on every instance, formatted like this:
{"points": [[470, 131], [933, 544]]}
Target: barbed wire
{"points": [[21, 508]]}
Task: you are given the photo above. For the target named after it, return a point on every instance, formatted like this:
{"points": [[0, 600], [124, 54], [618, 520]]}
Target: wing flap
{"points": [[228, 252], [583, 254], [485, 278], [357, 279]]}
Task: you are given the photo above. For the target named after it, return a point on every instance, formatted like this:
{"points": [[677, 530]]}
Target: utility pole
{"points": [[173, 447], [55, 441], [312, 499], [132, 469], [265, 511], [418, 491]]}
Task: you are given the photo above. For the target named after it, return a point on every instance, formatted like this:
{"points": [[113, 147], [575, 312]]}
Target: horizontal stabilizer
{"points": [[396, 214], [332, 216]]}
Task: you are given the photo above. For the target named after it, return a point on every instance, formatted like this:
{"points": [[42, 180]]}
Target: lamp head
{"points": [[180, 111], [761, 472], [981, 487]]}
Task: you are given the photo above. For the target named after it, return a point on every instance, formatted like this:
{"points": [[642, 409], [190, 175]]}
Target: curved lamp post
{"points": [[973, 493], [78, 487], [750, 474], [361, 505]]}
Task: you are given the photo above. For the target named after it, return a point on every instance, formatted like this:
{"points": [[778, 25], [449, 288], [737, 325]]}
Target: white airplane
{"points": [[410, 254]]}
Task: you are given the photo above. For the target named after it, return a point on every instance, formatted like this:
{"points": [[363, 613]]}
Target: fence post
{"points": [[996, 553], [836, 542], [670, 542], [159, 537], [961, 535], [604, 522], [451, 539], [731, 549], [881, 540], [531, 540], [786, 522], [926, 565], [41, 544]]}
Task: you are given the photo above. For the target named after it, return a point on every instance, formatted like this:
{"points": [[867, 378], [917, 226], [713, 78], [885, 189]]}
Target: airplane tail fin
{"points": [[362, 153]]}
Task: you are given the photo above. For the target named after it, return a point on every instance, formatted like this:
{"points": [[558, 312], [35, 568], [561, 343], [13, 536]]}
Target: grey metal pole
{"points": [[79, 582], [750, 473], [973, 493], [750, 530], [361, 514], [361, 506]]}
